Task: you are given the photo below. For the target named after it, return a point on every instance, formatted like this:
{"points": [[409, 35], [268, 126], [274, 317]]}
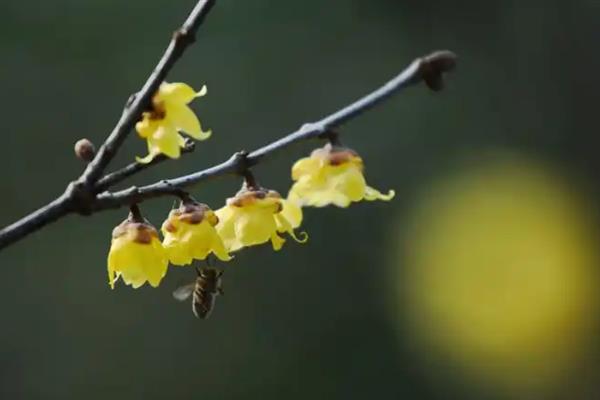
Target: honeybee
{"points": [[205, 289]]}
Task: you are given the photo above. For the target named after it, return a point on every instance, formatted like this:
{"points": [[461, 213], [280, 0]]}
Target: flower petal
{"points": [[146, 126], [184, 119], [218, 249], [136, 263], [305, 166], [146, 159], [292, 212], [277, 241], [351, 183], [177, 92], [226, 227], [374, 194], [254, 226], [166, 140]]}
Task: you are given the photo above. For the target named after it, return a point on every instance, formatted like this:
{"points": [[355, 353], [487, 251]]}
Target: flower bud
{"points": [[85, 150]]}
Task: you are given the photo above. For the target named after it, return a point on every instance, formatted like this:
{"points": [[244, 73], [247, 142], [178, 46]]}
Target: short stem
{"points": [[333, 137], [250, 180], [186, 198], [135, 215]]}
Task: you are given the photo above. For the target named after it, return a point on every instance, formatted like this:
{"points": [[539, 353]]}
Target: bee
{"points": [[205, 289]]}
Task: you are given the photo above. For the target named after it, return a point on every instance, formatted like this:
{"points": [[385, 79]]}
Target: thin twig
{"points": [[430, 68], [109, 180]]}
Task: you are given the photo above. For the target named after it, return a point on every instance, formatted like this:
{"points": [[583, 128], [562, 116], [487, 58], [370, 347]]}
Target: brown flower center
{"points": [[142, 232]]}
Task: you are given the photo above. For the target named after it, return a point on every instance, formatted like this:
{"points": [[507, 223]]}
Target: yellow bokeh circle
{"points": [[497, 273]]}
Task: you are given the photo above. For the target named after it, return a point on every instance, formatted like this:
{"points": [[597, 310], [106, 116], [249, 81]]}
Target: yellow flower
{"points": [[190, 234], [255, 216], [170, 115], [136, 255], [332, 175]]}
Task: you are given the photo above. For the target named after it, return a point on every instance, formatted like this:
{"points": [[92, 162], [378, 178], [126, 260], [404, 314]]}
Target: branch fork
{"points": [[90, 193]]}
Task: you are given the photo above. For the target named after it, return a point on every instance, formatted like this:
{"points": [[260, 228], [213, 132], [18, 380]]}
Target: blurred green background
{"points": [[369, 307]]}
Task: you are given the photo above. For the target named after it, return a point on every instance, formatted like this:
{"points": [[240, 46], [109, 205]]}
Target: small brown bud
{"points": [[85, 150], [434, 66]]}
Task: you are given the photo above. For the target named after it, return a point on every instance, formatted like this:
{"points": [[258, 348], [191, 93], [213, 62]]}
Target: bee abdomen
{"points": [[202, 303]]}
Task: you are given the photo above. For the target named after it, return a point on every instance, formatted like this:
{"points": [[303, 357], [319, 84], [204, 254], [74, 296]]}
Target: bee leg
{"points": [[220, 290]]}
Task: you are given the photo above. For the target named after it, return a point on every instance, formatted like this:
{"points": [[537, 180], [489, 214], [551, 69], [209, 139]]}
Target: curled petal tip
{"points": [[200, 134], [374, 194], [202, 92], [389, 196], [301, 238], [223, 257], [204, 135], [146, 159]]}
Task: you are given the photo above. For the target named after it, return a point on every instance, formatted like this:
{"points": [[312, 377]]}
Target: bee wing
{"points": [[182, 293]]}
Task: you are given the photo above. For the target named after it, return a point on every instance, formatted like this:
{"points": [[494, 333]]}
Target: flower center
{"points": [[158, 111]]}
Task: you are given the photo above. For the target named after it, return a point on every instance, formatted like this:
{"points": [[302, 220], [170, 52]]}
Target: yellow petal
{"points": [[292, 212], [277, 241], [333, 197], [305, 166], [156, 266], [146, 159], [192, 241], [184, 119], [226, 227], [319, 198], [136, 263], [177, 250], [180, 93], [374, 194], [165, 140], [254, 227], [111, 271], [146, 126], [351, 183], [218, 249]]}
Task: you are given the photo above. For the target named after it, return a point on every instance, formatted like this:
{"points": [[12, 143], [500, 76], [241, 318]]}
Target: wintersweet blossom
{"points": [[170, 115], [255, 216], [332, 175], [190, 234], [136, 254]]}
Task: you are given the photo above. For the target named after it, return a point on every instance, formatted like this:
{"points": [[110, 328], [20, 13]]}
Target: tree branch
{"points": [[120, 175], [80, 194], [429, 69], [52, 211], [83, 195]]}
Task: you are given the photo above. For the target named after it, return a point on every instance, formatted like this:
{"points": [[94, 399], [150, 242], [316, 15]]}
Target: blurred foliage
{"points": [[313, 320]]}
